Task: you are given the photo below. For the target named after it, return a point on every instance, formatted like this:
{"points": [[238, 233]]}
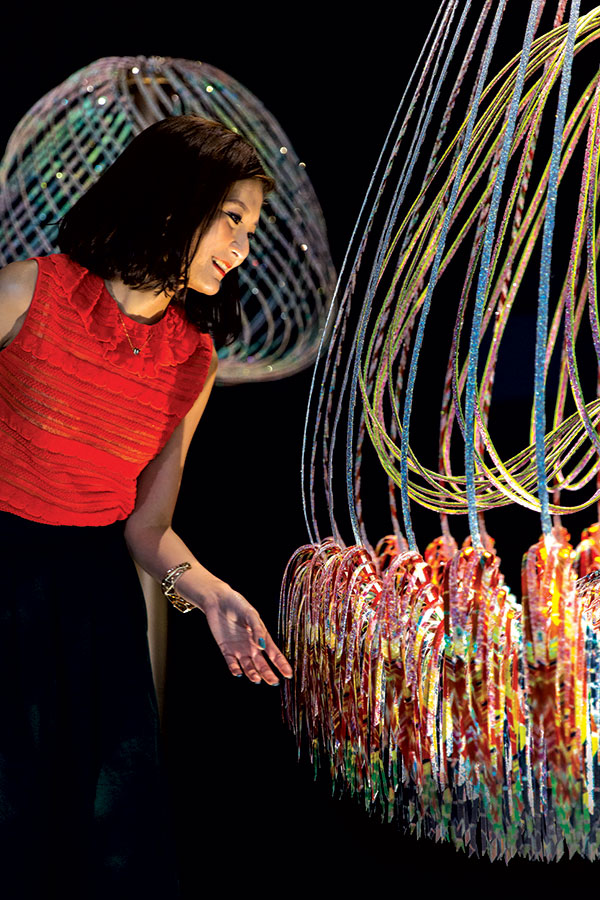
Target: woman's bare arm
{"points": [[235, 624]]}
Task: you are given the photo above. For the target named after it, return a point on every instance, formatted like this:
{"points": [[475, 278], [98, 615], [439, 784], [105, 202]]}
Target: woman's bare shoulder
{"points": [[17, 284], [17, 281]]}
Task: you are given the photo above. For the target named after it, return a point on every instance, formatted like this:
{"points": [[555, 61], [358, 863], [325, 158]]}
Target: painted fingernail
{"points": [[238, 675], [261, 643]]}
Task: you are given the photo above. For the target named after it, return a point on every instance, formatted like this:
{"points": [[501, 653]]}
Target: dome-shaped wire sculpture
{"points": [[433, 692], [67, 139]]}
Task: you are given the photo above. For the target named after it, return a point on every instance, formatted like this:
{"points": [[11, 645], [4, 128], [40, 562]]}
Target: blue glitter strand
{"points": [[484, 278], [355, 265], [418, 138], [541, 334], [376, 271], [432, 280]]}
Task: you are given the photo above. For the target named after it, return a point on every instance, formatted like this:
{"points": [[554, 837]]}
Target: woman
{"points": [[105, 369]]}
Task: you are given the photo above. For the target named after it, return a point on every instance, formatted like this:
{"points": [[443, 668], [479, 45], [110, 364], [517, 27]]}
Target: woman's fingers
{"points": [[251, 663], [266, 643], [234, 666], [257, 669], [277, 657]]}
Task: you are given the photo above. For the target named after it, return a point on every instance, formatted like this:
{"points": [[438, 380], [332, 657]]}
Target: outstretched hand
{"points": [[243, 639]]}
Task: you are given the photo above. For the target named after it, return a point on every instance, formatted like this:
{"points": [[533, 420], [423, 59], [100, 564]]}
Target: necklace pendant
{"points": [[136, 351]]}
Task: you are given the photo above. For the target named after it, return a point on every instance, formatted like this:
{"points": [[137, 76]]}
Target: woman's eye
{"points": [[235, 217]]}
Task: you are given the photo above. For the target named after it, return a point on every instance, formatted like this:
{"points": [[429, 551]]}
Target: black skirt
{"points": [[84, 805]]}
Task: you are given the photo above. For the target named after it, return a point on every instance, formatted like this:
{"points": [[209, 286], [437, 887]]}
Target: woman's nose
{"points": [[240, 248]]}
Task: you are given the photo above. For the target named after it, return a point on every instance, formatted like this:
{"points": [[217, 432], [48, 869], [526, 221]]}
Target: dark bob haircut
{"points": [[144, 218]]}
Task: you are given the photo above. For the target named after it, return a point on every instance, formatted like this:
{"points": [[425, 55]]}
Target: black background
{"points": [[247, 812]]}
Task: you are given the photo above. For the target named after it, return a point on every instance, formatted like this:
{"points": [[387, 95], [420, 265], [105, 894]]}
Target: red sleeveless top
{"points": [[80, 414]]}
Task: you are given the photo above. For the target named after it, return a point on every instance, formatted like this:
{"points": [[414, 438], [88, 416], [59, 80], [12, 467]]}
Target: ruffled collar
{"points": [[168, 342]]}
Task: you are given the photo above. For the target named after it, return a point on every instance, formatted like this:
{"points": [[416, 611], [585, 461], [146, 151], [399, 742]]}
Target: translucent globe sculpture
{"points": [[427, 686], [74, 132]]}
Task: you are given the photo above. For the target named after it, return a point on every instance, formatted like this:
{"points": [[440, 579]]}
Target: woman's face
{"points": [[227, 242]]}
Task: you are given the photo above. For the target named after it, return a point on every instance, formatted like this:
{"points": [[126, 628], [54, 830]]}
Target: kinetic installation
{"points": [[66, 140], [429, 689]]}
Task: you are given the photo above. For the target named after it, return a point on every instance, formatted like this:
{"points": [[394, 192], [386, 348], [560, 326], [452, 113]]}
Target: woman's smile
{"points": [[221, 266]]}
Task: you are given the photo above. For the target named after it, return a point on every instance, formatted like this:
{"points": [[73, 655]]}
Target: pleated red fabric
{"points": [[80, 414]]}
